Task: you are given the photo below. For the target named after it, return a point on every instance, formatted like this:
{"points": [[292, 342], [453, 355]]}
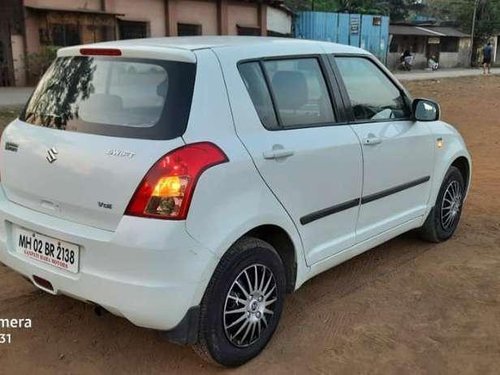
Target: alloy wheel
{"points": [[249, 305], [451, 205]]}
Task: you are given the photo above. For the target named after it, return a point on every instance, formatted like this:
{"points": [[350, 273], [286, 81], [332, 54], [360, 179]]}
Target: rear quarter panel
{"points": [[230, 199]]}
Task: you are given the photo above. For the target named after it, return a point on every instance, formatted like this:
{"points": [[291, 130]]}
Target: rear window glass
{"points": [[135, 98], [256, 85]]}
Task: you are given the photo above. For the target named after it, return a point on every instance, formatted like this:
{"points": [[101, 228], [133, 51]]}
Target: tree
{"points": [[398, 10], [318, 5], [38, 62], [68, 80], [460, 13]]}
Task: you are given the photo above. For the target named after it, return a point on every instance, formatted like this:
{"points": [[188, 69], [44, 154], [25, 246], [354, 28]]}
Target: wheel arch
{"points": [[278, 238], [463, 165], [278, 234], [459, 159]]}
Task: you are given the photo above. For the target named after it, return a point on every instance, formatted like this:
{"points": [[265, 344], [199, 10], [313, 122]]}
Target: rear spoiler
{"points": [[142, 52]]}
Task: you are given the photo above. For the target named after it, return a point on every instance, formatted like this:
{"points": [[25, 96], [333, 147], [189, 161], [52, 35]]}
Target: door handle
{"points": [[278, 154], [372, 140]]}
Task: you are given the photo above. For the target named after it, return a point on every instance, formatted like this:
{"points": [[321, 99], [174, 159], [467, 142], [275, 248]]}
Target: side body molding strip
{"points": [[316, 215]]}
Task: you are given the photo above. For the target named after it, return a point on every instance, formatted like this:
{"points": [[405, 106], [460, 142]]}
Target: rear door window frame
{"points": [[330, 82]]}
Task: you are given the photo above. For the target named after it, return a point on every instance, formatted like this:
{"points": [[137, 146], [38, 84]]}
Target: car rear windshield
{"points": [[123, 97]]}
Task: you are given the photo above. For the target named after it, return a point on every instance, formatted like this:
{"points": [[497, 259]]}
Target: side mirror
{"points": [[425, 110]]}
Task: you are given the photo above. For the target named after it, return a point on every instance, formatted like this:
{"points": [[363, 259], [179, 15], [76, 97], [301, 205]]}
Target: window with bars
{"points": [[188, 29]]}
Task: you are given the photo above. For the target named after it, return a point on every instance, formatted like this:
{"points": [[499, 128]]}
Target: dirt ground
{"points": [[406, 307]]}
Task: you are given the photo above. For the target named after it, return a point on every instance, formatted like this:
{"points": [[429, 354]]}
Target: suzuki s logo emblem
{"points": [[52, 155]]}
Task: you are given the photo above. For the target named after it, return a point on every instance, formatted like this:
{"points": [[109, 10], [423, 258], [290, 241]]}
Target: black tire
{"points": [[214, 341], [435, 228]]}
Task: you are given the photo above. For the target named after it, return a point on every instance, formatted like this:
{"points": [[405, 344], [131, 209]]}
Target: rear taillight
{"points": [[166, 190]]}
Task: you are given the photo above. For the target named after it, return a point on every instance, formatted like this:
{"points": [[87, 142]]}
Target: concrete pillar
{"points": [[170, 17], [263, 19], [222, 18], [108, 5], [18, 60]]}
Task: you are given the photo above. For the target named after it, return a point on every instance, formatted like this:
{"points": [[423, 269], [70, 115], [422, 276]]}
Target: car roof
{"points": [[193, 43]]}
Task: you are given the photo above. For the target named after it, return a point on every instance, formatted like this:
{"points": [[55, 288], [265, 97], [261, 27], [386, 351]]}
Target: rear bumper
{"points": [[149, 271]]}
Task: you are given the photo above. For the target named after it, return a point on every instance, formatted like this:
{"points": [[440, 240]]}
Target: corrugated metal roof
{"points": [[432, 31], [449, 31], [408, 30]]}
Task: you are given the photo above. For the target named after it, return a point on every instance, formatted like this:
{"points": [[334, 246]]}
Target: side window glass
{"points": [[373, 96], [256, 85], [300, 92]]}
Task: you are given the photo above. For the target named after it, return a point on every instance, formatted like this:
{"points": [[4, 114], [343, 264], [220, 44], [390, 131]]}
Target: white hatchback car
{"points": [[187, 184]]}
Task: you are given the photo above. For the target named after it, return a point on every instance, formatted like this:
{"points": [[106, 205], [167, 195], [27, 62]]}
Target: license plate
{"points": [[57, 253]]}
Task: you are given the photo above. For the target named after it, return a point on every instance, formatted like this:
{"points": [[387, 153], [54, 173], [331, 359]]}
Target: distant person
{"points": [[432, 63], [487, 52], [406, 60]]}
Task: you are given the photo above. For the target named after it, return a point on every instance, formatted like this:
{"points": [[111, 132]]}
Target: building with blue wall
{"points": [[369, 32]]}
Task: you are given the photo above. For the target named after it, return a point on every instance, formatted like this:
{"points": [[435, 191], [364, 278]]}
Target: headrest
{"points": [[290, 88], [103, 101], [162, 88], [98, 104]]}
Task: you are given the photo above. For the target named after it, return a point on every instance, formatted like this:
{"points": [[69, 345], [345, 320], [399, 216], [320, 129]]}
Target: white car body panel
{"points": [[153, 271], [414, 146], [453, 148], [83, 161], [137, 277], [363, 246], [325, 170], [246, 197]]}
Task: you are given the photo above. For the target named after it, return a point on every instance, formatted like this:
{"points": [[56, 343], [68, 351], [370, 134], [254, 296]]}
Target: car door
{"points": [[285, 117], [397, 151]]}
